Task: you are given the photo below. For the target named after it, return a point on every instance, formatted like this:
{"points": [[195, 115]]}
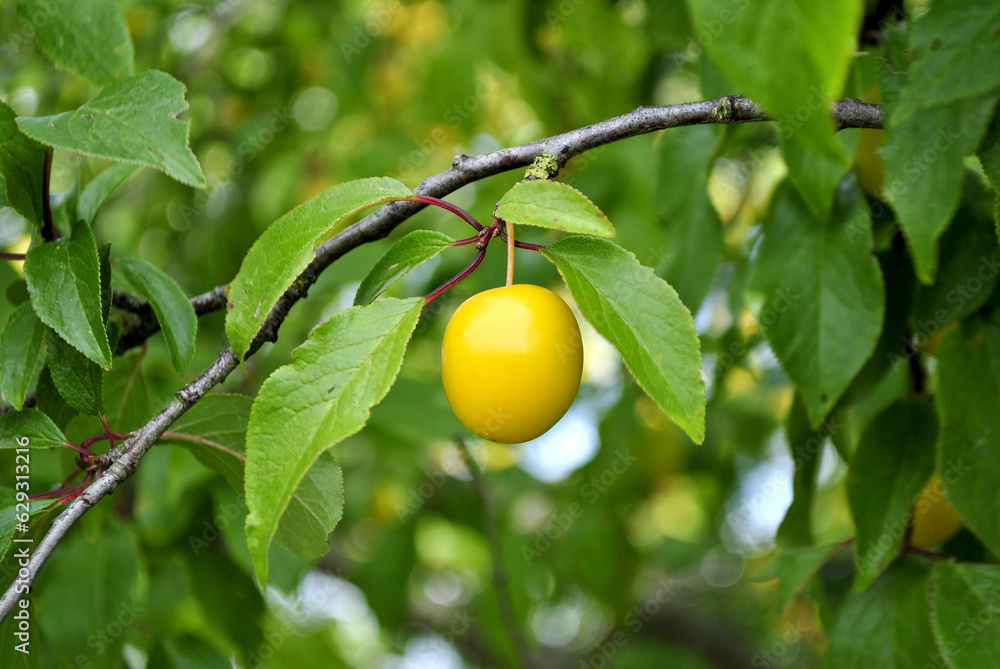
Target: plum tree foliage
{"points": [[224, 435]]}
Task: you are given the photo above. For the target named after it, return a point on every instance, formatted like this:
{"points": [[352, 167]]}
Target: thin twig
{"points": [[147, 325], [501, 582], [129, 302], [464, 170]]}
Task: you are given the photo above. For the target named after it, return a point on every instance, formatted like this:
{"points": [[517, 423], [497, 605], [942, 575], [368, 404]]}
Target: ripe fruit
{"points": [[934, 519], [511, 362]]}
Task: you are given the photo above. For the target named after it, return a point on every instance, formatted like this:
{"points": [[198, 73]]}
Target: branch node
{"points": [[724, 110]]}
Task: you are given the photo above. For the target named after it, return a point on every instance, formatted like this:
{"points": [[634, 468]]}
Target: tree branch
{"points": [[147, 325], [127, 458], [465, 170]]}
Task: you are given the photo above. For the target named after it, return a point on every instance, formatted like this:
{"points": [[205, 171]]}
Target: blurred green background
{"points": [[625, 544]]}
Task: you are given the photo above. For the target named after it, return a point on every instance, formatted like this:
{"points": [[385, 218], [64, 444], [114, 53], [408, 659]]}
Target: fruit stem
{"points": [[458, 277], [4, 255], [510, 253], [448, 206]]}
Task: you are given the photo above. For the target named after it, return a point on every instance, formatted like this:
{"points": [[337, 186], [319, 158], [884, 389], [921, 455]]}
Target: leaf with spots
{"points": [[135, 120]]}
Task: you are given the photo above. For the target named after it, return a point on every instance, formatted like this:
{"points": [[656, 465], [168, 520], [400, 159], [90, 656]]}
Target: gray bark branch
{"points": [[848, 113]]}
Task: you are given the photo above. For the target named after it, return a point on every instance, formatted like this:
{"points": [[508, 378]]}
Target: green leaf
{"points": [[313, 510], [411, 250], [187, 652], [325, 395], [942, 113], [288, 245], [50, 402], [104, 260], [228, 596], [949, 45], [814, 174], [215, 430], [967, 392], [21, 169], [29, 428], [695, 246], [806, 446], [64, 206], [79, 380], [989, 156], [790, 56], [101, 188], [64, 281], [17, 292], [89, 38], [172, 308], [964, 613], [793, 567], [893, 461], [21, 345], [887, 626], [101, 575], [823, 298], [125, 395], [11, 515], [970, 264], [924, 170], [642, 316], [135, 120], [551, 204]]}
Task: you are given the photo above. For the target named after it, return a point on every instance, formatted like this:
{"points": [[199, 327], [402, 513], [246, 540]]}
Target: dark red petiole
{"points": [[109, 433], [467, 240], [101, 437], [80, 449], [522, 245], [68, 493], [458, 277], [87, 463], [74, 492]]}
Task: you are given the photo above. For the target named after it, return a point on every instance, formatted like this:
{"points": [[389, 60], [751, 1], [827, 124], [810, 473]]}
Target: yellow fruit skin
{"points": [[511, 362], [934, 519]]}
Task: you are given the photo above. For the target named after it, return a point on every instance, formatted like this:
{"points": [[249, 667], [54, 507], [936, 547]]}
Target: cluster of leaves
{"points": [[350, 361], [880, 308], [885, 318], [61, 337]]}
